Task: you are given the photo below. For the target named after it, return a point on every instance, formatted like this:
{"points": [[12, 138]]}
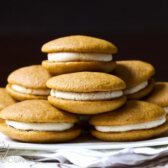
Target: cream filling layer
{"points": [[136, 88], [166, 110], [86, 96], [124, 128], [66, 57], [40, 92], [39, 126]]}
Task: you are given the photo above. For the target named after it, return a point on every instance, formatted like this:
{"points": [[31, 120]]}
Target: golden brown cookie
{"points": [[28, 83], [58, 68], [159, 95], [86, 82], [36, 111], [87, 107], [5, 99], [78, 53], [38, 121], [86, 92], [144, 92], [22, 96], [136, 120], [79, 43], [40, 136], [137, 76], [136, 135]]}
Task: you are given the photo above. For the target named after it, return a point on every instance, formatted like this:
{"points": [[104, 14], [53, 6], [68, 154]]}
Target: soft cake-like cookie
{"points": [[137, 76], [86, 92], [38, 121], [136, 120], [159, 95], [5, 99], [28, 83], [79, 53]]}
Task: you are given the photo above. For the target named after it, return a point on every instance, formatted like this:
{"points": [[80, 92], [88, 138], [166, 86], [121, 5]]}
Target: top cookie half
{"points": [[86, 82], [79, 43]]}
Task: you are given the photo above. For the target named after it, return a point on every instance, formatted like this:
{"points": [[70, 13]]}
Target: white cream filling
{"points": [[40, 92], [65, 57], [39, 126], [86, 96], [166, 110], [145, 125], [136, 88]]}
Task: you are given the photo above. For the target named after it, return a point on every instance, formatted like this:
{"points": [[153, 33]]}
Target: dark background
{"points": [[138, 28]]}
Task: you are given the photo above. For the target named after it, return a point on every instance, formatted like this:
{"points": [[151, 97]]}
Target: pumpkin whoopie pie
{"points": [[38, 121], [29, 83], [136, 120], [159, 95], [86, 92], [79, 53], [5, 99], [137, 76]]}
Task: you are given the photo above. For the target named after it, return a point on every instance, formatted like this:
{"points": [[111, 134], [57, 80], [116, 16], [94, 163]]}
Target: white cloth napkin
{"points": [[130, 157]]}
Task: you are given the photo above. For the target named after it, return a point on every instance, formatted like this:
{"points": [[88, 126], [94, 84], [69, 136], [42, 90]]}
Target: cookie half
{"points": [[38, 121], [5, 99], [78, 53], [28, 83], [138, 77], [159, 95], [136, 120], [86, 92]]}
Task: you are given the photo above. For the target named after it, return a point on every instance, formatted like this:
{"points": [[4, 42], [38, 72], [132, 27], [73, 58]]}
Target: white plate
{"points": [[5, 142]]}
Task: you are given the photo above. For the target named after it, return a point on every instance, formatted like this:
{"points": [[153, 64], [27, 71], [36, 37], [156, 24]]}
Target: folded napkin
{"points": [[75, 158]]}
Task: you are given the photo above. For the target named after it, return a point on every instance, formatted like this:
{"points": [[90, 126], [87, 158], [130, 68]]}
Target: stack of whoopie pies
{"points": [[80, 82]]}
